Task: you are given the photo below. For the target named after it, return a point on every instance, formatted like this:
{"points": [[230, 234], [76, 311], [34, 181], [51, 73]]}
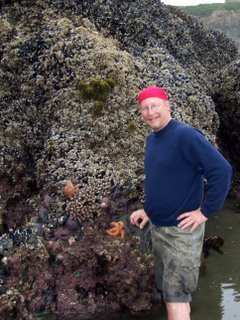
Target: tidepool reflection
{"points": [[218, 295], [230, 302]]}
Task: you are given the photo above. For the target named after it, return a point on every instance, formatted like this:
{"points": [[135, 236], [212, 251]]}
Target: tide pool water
{"points": [[218, 294]]}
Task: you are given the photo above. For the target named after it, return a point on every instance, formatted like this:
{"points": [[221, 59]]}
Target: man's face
{"points": [[155, 112]]}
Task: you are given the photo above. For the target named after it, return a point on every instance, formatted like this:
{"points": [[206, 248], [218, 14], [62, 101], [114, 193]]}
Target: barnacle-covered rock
{"points": [[23, 235], [184, 37], [51, 54], [28, 272], [86, 277], [12, 303], [99, 277], [227, 99]]}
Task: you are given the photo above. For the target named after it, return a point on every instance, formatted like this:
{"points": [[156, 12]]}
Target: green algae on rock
{"points": [[96, 89]]}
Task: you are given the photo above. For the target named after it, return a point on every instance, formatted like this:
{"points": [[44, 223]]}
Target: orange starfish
{"points": [[117, 229], [69, 189]]}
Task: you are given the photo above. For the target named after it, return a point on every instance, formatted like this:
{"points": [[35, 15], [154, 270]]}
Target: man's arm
{"points": [[218, 173]]}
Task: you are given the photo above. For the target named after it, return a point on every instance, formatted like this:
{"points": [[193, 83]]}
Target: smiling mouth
{"points": [[153, 119]]}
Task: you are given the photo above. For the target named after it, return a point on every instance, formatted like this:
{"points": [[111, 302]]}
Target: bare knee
{"points": [[178, 310]]}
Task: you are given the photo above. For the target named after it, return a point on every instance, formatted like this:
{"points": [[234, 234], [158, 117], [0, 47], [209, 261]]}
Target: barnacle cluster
{"points": [[13, 303], [95, 184]]}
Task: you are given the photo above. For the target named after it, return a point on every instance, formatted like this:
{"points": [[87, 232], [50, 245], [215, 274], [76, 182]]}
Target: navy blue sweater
{"points": [[177, 160]]}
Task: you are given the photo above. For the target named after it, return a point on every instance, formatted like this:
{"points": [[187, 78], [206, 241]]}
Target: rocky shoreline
{"points": [[70, 73]]}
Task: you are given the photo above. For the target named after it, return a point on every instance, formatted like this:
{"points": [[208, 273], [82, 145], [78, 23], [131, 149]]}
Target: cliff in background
{"points": [[221, 17], [225, 21]]}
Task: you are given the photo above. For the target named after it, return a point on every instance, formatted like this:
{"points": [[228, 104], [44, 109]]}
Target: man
{"points": [[177, 160]]}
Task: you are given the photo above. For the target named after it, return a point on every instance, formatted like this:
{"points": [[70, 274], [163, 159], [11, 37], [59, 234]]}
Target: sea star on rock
{"points": [[70, 189], [117, 229]]}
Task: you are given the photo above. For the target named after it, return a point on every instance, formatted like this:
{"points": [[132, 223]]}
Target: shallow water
{"points": [[218, 294]]}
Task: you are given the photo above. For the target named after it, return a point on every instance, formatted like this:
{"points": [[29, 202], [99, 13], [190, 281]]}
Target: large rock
{"points": [[50, 132], [227, 100]]}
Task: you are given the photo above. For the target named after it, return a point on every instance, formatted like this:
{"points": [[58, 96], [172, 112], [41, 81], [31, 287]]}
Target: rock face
{"points": [[227, 100], [85, 279], [226, 21], [70, 73], [50, 131]]}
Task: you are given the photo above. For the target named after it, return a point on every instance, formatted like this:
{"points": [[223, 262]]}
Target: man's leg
{"points": [[177, 259], [178, 310]]}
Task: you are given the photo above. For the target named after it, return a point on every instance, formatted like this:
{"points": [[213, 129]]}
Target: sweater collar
{"points": [[165, 129]]}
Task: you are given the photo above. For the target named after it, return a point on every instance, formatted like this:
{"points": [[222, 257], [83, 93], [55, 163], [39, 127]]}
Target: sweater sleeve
{"points": [[215, 168]]}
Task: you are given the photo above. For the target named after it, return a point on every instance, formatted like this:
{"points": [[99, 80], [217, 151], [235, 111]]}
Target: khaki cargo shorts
{"points": [[177, 258]]}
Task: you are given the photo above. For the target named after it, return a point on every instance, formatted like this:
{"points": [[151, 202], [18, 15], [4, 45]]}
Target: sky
{"points": [[190, 2]]}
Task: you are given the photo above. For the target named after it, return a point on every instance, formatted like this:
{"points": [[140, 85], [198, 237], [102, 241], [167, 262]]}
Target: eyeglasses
{"points": [[153, 107]]}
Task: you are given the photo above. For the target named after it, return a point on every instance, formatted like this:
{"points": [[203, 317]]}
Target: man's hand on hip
{"points": [[191, 219]]}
